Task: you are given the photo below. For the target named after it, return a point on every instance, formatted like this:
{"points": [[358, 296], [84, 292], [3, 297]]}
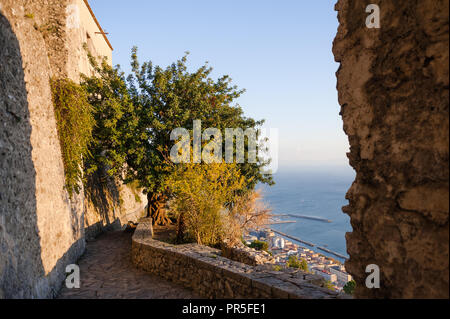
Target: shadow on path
{"points": [[107, 272]]}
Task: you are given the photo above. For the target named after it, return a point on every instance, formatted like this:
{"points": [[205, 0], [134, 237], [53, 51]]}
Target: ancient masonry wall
{"points": [[393, 85], [41, 229], [247, 255], [206, 272]]}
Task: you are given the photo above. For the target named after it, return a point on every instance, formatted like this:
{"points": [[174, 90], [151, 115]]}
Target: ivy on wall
{"points": [[75, 124]]}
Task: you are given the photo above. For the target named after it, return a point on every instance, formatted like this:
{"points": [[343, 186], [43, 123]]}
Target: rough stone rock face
{"points": [[17, 173], [41, 231], [41, 228], [393, 86]]}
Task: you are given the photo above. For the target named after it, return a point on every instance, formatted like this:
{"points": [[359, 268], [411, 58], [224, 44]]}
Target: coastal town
{"points": [[282, 249]]}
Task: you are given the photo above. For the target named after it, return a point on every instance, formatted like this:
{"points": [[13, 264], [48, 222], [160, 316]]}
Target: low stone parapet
{"points": [[203, 270], [247, 255]]}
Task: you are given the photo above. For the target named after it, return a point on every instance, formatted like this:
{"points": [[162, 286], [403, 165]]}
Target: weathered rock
{"points": [[42, 230], [394, 91], [246, 255]]}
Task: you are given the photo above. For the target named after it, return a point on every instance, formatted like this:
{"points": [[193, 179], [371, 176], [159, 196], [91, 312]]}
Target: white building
{"points": [[292, 252], [341, 275], [278, 242], [327, 275], [84, 28], [314, 266]]}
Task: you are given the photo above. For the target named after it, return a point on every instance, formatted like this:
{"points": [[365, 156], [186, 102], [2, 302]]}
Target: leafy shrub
{"points": [[277, 268], [349, 287], [75, 123], [260, 245], [170, 98], [200, 194], [294, 262], [329, 285]]}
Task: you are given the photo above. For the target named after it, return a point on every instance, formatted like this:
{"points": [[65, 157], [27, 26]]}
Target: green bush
{"points": [[349, 287], [259, 245], [277, 268], [75, 123], [294, 262], [329, 285]]}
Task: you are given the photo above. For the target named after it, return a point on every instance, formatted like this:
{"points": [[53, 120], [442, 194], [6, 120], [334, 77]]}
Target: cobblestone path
{"points": [[107, 272]]}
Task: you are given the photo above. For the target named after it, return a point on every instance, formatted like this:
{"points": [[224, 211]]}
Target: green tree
{"points": [[329, 285], [294, 262], [304, 265], [170, 98], [115, 119], [349, 287], [260, 245]]}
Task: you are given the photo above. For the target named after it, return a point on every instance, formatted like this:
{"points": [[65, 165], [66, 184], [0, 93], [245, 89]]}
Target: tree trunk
{"points": [[156, 209], [181, 227]]}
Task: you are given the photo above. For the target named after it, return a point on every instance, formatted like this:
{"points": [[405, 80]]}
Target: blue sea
{"points": [[318, 192]]}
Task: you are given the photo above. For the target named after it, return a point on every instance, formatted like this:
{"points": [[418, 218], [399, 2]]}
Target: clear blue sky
{"points": [[280, 51]]}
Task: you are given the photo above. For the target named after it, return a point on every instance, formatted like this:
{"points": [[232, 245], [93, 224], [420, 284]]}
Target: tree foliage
{"points": [[115, 119], [173, 98], [259, 245], [349, 287], [329, 285], [122, 127], [200, 195], [294, 262]]}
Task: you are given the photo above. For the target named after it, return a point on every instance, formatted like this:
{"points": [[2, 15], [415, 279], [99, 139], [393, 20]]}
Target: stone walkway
{"points": [[108, 273]]}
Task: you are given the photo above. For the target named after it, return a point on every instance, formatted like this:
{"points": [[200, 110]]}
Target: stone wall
{"points": [[247, 255], [393, 85], [41, 228], [213, 276]]}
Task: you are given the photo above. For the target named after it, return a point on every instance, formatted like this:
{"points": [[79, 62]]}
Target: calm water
{"points": [[313, 192]]}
